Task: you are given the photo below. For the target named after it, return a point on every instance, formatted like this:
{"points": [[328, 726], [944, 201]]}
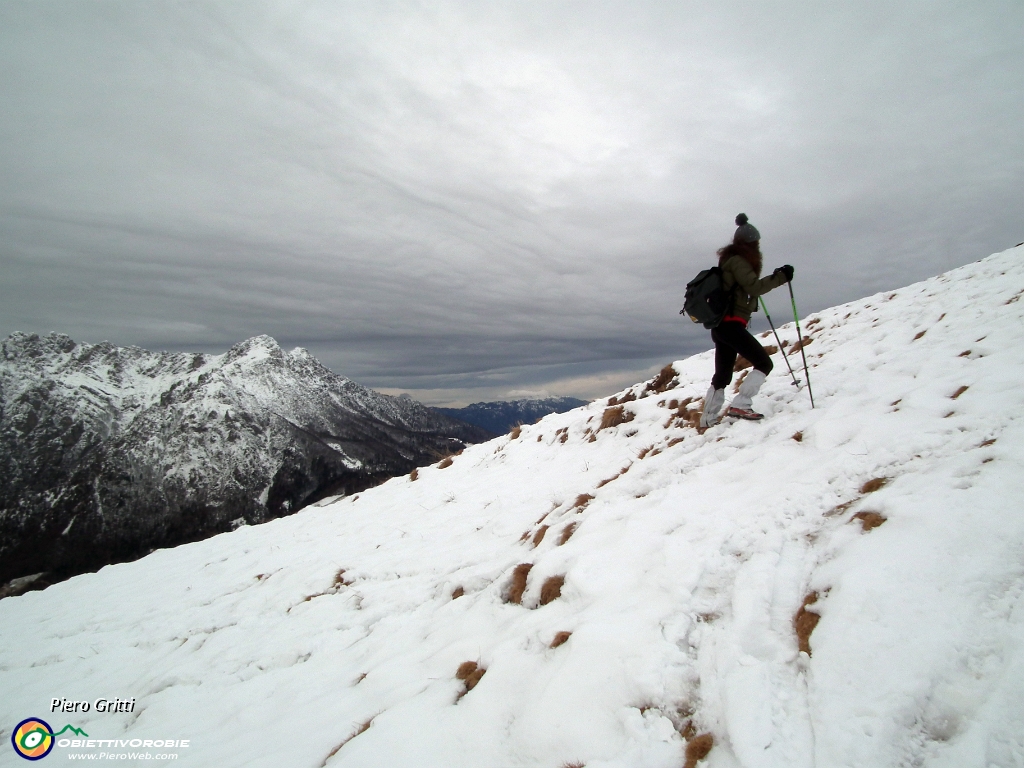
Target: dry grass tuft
{"points": [[457, 593], [602, 483], [474, 678], [334, 751], [840, 508], [683, 416], [517, 586], [959, 392], [965, 353], [771, 349], [804, 623], [574, 765], [552, 589], [682, 719], [615, 416], [698, 748], [643, 453], [664, 381], [798, 436], [869, 520], [445, 462], [560, 639], [539, 536], [675, 441], [873, 485], [340, 580], [693, 417], [567, 532], [739, 381], [414, 475], [988, 442], [800, 344], [582, 500], [363, 728], [358, 732], [517, 430], [920, 334], [741, 364], [469, 672], [626, 398]]}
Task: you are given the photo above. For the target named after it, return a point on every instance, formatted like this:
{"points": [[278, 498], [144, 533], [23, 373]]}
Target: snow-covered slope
{"points": [[667, 574]]}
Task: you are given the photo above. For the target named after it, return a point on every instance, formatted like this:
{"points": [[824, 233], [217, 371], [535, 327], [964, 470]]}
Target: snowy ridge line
{"points": [[435, 621]]}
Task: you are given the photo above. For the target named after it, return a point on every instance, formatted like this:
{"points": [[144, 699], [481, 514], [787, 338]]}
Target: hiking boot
{"points": [[744, 413]]}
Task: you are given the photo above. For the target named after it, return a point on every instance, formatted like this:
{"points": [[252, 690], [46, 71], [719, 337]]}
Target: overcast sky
{"points": [[480, 200]]}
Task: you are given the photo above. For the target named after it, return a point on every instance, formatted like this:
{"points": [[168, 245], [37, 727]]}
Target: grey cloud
{"points": [[435, 196]]}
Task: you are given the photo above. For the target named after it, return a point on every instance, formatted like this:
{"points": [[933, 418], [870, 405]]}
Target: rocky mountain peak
{"points": [[110, 451]]}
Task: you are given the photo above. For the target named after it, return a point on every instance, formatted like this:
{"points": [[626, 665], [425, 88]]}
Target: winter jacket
{"points": [[738, 275]]}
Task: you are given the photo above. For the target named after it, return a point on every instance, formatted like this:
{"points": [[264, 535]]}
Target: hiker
{"points": [[740, 262]]}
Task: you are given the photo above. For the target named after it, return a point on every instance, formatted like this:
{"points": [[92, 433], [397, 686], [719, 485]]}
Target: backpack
{"points": [[707, 300]]}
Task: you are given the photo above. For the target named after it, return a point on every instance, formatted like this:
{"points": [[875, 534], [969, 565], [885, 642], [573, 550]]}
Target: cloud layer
{"points": [[461, 200]]}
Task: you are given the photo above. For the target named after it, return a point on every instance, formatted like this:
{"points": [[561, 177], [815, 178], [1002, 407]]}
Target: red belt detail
{"points": [[733, 319]]}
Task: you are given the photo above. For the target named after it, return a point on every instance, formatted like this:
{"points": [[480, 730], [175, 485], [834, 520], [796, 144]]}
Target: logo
{"points": [[33, 739]]}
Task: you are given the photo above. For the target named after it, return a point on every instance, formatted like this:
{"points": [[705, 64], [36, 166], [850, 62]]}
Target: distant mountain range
{"points": [[499, 417], [107, 453]]}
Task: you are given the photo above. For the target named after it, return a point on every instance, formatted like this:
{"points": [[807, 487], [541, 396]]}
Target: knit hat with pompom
{"points": [[746, 233]]}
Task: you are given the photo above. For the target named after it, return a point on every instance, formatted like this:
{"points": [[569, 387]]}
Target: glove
{"points": [[787, 271]]}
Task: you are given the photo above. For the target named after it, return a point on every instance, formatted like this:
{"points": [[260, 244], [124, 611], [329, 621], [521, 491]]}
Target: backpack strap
{"points": [[729, 284]]}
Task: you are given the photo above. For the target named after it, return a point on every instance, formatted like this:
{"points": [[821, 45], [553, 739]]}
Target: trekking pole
{"points": [[796, 318], [796, 381]]}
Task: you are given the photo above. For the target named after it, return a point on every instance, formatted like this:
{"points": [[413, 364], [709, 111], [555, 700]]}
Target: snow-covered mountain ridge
{"points": [[501, 416], [108, 452], [615, 588]]}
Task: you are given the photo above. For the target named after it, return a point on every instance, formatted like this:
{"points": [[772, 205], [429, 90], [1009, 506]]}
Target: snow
{"points": [[681, 582]]}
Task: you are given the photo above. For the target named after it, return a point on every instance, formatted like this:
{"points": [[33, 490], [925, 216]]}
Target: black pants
{"points": [[731, 338]]}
